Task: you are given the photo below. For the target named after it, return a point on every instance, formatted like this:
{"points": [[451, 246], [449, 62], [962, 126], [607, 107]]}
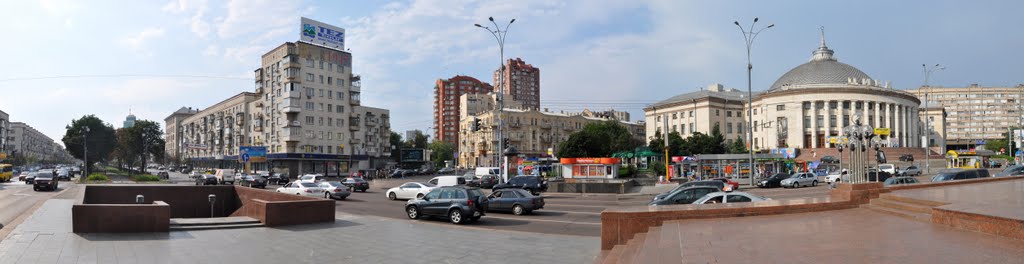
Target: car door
{"points": [[429, 204], [494, 200], [737, 198], [407, 191], [700, 193]]}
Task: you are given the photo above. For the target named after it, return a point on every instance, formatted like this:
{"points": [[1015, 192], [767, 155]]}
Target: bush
{"points": [[145, 178], [97, 177], [658, 167], [627, 171]]}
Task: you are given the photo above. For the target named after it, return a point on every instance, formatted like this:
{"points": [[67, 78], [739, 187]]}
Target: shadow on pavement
{"points": [[321, 226]]}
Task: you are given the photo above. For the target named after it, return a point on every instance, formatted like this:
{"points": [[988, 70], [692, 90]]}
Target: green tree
{"points": [[737, 146], [657, 143], [101, 139], [397, 145], [419, 140], [151, 140], [717, 142], [675, 145], [441, 151], [598, 140]]}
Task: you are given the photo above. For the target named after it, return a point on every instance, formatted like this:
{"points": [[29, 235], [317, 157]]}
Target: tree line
{"points": [[126, 147]]}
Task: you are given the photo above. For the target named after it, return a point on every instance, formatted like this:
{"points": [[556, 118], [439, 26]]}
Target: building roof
{"points": [[728, 94], [823, 68]]}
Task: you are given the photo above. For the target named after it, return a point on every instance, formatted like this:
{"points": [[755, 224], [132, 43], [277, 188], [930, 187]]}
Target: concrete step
{"points": [[613, 255], [921, 217], [649, 248], [668, 244], [896, 197], [897, 205], [236, 220], [632, 248], [214, 227]]}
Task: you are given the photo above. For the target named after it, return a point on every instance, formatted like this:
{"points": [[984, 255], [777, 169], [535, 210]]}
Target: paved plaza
{"points": [[46, 238]]}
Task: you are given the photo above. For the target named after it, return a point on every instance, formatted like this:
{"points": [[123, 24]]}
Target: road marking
{"points": [[573, 212], [594, 206], [541, 220]]}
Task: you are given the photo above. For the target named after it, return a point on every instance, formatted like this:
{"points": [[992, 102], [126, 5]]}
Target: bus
{"points": [[6, 172]]}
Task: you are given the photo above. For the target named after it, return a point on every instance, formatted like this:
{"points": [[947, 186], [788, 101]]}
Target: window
{"points": [[728, 113], [321, 65], [807, 122], [739, 128], [691, 113], [330, 122], [330, 107], [321, 109], [673, 116], [728, 128], [340, 108], [846, 105], [329, 80], [716, 113], [733, 198], [330, 95], [309, 120], [321, 79], [693, 128], [683, 128], [807, 105], [846, 120], [832, 121], [755, 126], [755, 111], [330, 66], [821, 121], [832, 105], [309, 105], [309, 77], [309, 62], [780, 107]]}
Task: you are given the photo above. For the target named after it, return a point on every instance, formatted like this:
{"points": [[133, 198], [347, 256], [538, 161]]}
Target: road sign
{"points": [[253, 153], [1020, 153], [882, 131], [245, 157]]}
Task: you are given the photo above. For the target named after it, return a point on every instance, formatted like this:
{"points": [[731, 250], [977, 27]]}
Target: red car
{"points": [[735, 185]]}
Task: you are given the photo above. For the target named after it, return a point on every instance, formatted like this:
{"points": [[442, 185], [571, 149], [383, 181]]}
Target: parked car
{"points": [[729, 197], [686, 195], [356, 184], [425, 170], [829, 159], [163, 175], [206, 179], [774, 181], [301, 188], [960, 175], [800, 179], [442, 181], [836, 176], [278, 178], [335, 190], [410, 190], [907, 158], [910, 171], [486, 181], [459, 204], [253, 181], [716, 184], [532, 184], [446, 170], [397, 173], [900, 180], [44, 181], [1015, 170], [889, 168], [517, 201], [735, 185], [311, 178], [878, 176], [225, 176]]}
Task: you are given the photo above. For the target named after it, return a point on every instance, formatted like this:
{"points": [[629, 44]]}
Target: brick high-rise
{"points": [[523, 83], [446, 104]]}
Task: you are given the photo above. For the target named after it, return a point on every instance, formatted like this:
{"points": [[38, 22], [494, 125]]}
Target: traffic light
{"points": [[505, 142], [476, 124]]}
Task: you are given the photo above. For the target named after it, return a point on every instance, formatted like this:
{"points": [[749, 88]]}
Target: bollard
{"points": [[139, 199], [212, 198]]}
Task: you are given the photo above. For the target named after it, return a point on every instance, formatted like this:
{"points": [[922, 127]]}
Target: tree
{"points": [[657, 143], [101, 139], [396, 144], [717, 143], [598, 140], [441, 151], [419, 140], [675, 145], [737, 146], [151, 140]]}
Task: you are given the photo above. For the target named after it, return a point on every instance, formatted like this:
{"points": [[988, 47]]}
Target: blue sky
{"points": [[595, 54]]}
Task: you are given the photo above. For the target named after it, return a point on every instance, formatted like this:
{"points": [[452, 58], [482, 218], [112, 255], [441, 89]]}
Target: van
{"points": [[442, 181], [481, 171], [225, 176]]}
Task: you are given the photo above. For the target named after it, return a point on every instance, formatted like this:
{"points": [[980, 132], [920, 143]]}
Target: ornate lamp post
{"points": [[859, 136]]}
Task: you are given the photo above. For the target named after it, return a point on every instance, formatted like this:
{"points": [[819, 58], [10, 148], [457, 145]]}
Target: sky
{"points": [[66, 59]]}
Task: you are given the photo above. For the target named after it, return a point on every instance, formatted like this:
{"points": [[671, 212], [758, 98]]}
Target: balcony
{"points": [[296, 94], [291, 105], [356, 84], [353, 123], [371, 122], [545, 125], [354, 141], [291, 133]]}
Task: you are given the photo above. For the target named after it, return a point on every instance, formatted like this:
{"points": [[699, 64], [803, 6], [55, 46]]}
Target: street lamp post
{"points": [[928, 119], [748, 37], [499, 35], [85, 151]]}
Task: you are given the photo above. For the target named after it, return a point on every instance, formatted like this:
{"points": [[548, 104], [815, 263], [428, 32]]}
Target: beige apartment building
{"points": [[975, 113], [5, 130], [28, 142], [698, 111], [173, 135], [213, 134], [531, 132]]}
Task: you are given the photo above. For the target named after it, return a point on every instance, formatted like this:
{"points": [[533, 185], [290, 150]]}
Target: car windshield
{"points": [[308, 185], [884, 167], [522, 193], [478, 193], [333, 183], [308, 177]]}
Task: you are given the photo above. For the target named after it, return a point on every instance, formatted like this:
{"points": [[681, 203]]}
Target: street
{"points": [[16, 198]]}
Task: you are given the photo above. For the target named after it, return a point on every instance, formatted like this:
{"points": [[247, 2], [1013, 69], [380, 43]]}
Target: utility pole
{"points": [[928, 117], [748, 37], [499, 35]]}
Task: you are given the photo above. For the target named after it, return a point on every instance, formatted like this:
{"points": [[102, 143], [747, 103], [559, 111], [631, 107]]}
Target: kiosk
{"points": [[590, 168]]}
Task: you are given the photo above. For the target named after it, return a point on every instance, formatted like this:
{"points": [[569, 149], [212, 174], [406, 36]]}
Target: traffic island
{"points": [[149, 208]]}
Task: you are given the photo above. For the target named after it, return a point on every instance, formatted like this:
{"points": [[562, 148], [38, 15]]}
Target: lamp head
{"points": [[755, 20], [478, 25], [491, 19], [513, 21], [736, 22], [770, 26]]}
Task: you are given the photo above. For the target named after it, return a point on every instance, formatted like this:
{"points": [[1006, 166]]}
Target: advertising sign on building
{"points": [[413, 155], [882, 131], [321, 33], [252, 154]]}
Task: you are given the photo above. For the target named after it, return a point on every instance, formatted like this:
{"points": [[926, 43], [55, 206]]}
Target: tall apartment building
{"points": [[129, 121], [975, 113], [521, 81], [30, 143], [306, 110], [531, 132], [5, 128], [446, 104], [173, 134]]}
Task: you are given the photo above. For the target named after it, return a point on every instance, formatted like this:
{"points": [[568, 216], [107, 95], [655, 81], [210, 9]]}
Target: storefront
{"points": [[590, 168]]}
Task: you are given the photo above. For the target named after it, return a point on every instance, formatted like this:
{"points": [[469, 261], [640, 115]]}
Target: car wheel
{"points": [[518, 210], [455, 216], [419, 196], [412, 212], [814, 183], [391, 196], [327, 195]]}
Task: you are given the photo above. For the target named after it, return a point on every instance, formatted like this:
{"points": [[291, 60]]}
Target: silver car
{"points": [[729, 197], [910, 171], [800, 179]]}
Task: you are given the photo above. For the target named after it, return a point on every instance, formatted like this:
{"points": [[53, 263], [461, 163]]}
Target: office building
{"points": [[975, 114]]}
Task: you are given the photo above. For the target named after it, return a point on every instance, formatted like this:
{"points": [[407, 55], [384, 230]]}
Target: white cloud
{"points": [[211, 50], [197, 21], [248, 16], [136, 41]]}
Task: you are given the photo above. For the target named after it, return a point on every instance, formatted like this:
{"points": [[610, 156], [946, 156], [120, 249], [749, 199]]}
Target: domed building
{"points": [[813, 102]]}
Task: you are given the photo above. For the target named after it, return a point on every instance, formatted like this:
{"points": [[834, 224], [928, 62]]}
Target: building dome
{"points": [[822, 69]]}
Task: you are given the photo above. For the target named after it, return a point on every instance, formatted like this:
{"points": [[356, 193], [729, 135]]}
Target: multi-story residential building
{"points": [[446, 104], [699, 111], [474, 104], [173, 134], [521, 81], [30, 143], [934, 117], [5, 128], [305, 110], [531, 132], [975, 113]]}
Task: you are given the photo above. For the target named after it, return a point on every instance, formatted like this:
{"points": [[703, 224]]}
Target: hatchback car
{"points": [[532, 184], [730, 197], [459, 204], [800, 179], [335, 190], [909, 171], [410, 190], [356, 184], [685, 195], [900, 180], [717, 184], [517, 201], [302, 188]]}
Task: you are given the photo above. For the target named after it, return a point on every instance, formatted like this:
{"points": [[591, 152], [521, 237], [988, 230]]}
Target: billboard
{"points": [[412, 155], [252, 154], [317, 32]]}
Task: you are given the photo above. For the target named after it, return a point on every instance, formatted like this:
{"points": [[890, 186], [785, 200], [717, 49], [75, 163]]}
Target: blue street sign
{"points": [[1020, 153], [245, 157]]}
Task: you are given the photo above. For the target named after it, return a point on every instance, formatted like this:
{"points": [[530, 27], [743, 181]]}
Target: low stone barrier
{"points": [[121, 218]]}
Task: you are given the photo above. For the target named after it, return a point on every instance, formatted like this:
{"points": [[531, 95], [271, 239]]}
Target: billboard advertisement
{"points": [[412, 155], [321, 33], [252, 154]]}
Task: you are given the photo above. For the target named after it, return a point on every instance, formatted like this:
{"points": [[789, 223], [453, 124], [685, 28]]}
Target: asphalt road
{"points": [[17, 197]]}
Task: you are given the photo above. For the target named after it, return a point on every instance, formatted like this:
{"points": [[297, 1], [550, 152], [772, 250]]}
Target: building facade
{"points": [[5, 130], [129, 121], [446, 104], [699, 111], [173, 134], [30, 143], [216, 132], [975, 113], [607, 114], [933, 123], [521, 81], [532, 133]]}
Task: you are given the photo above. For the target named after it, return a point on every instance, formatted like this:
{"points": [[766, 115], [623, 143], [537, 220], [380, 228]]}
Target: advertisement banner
{"points": [[252, 154], [321, 33]]}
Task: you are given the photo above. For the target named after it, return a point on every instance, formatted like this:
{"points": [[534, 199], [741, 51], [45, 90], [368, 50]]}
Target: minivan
{"points": [[481, 171], [442, 181], [225, 176]]}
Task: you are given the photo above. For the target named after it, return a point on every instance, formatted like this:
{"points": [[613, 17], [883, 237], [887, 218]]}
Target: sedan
{"points": [[910, 171], [334, 190], [206, 179], [301, 188], [719, 185], [518, 201], [774, 181], [410, 190], [729, 197], [900, 180], [686, 195], [252, 181], [278, 178], [800, 179]]}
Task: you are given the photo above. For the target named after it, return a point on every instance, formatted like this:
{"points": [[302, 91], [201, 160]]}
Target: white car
{"points": [[311, 178], [334, 189], [886, 167], [410, 190], [836, 176], [729, 197], [302, 188]]}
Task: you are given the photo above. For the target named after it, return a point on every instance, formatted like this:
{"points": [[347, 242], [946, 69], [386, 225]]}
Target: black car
{"points": [[64, 175], [774, 181], [459, 204], [253, 181], [878, 176], [1015, 170], [397, 173], [685, 195], [356, 184], [517, 201], [960, 175], [829, 159], [206, 179], [907, 158], [532, 184], [710, 183], [44, 181], [278, 178], [486, 181], [163, 175]]}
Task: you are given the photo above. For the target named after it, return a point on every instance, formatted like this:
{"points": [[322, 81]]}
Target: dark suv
{"points": [[459, 203], [356, 184], [532, 184], [961, 175], [486, 181], [44, 181]]}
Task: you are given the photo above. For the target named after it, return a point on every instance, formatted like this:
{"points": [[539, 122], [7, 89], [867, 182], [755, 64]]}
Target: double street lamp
{"points": [[499, 35], [928, 119], [85, 150], [748, 37]]}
